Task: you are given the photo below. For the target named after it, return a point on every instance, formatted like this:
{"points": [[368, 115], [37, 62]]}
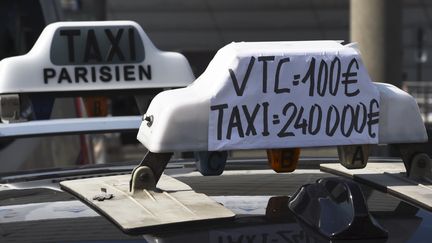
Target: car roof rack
{"points": [[70, 126]]}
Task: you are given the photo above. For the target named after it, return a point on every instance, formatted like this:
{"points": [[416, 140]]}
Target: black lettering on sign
{"points": [[131, 32], [348, 81], [334, 80], [220, 110], [373, 116], [93, 74], [48, 73], [92, 51], [115, 42], [129, 73], [322, 78], [310, 75], [70, 34], [239, 89], [64, 75], [105, 74], [278, 90], [315, 108], [283, 132], [300, 122], [264, 60], [331, 128], [96, 45], [250, 119], [80, 74], [310, 120], [328, 77], [143, 72], [360, 127], [265, 131], [235, 122], [347, 132], [83, 74], [117, 73]]}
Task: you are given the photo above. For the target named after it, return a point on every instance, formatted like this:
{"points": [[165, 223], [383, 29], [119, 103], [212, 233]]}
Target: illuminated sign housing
{"points": [[281, 95], [86, 56]]}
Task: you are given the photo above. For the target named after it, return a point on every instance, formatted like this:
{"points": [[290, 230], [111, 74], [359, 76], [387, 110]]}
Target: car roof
{"points": [[38, 210]]}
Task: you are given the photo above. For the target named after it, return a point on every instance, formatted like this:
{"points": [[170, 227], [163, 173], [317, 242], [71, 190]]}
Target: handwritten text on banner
{"points": [[274, 101]]}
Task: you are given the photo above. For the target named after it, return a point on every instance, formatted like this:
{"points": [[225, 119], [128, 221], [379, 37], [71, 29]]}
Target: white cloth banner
{"points": [[295, 99]]}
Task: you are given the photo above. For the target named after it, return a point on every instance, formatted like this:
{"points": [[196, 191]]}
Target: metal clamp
{"points": [[147, 174]]}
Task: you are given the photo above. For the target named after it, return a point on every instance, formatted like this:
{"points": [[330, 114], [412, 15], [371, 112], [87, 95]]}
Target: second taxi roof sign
{"points": [[85, 56]]}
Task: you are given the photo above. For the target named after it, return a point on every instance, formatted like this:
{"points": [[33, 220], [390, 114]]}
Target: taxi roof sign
{"points": [[85, 56], [279, 95]]}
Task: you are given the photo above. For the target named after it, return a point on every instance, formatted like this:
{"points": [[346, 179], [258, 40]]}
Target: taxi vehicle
{"points": [[278, 96]]}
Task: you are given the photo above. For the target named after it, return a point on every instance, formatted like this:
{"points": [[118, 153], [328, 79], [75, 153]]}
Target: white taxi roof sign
{"points": [[279, 95], [86, 56]]}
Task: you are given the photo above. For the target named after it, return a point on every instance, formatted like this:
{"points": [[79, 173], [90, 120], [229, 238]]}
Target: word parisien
{"points": [[93, 74], [307, 118]]}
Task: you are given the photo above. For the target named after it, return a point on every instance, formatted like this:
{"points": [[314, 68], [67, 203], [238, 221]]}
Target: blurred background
{"points": [[394, 37]]}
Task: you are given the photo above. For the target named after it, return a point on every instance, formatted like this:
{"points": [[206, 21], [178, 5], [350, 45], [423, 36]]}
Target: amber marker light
{"points": [[283, 160], [96, 106]]}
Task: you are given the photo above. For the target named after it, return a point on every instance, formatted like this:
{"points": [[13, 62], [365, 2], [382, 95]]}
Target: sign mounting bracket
{"points": [[147, 174]]}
